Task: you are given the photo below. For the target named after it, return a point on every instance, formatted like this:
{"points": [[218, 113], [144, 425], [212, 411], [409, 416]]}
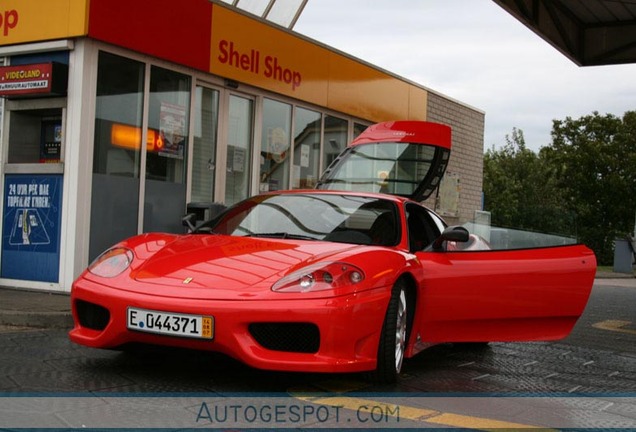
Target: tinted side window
{"points": [[441, 225], [423, 230]]}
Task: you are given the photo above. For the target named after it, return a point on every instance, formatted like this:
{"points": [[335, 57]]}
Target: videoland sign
{"points": [[33, 79]]}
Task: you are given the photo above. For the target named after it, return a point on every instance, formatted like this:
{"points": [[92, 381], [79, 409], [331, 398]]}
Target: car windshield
{"points": [[329, 217]]}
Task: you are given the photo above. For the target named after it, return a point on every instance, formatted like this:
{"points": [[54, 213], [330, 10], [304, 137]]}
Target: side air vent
{"points": [[92, 316], [288, 337]]}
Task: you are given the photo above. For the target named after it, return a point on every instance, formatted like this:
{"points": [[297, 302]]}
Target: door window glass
{"points": [[422, 229], [205, 140], [307, 126], [239, 149], [275, 146]]}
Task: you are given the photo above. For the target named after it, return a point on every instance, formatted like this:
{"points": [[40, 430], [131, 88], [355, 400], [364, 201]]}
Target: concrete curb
{"points": [[613, 275], [59, 320]]}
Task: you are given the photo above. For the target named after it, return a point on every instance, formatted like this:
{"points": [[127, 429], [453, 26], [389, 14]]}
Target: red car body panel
{"points": [[516, 295]]}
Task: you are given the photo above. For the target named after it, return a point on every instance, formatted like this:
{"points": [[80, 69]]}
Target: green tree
{"points": [[593, 161], [520, 189]]}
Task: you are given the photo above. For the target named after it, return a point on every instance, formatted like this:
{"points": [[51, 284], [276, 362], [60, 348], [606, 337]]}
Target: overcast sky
{"points": [[475, 52]]}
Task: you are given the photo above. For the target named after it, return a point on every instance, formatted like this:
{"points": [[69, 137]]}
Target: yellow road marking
{"points": [[462, 421], [615, 325], [416, 414]]}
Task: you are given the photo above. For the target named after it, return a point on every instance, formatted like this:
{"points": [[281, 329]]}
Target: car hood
{"points": [[228, 267]]}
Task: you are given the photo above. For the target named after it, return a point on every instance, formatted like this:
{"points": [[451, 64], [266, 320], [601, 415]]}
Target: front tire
{"points": [[393, 337]]}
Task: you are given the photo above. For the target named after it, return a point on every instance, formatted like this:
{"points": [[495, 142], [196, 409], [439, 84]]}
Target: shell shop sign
{"points": [[266, 65], [34, 80]]}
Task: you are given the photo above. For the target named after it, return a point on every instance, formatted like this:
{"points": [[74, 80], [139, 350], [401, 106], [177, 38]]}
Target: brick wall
{"points": [[467, 154]]}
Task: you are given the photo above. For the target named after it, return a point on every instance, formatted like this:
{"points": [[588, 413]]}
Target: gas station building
{"points": [[117, 118]]}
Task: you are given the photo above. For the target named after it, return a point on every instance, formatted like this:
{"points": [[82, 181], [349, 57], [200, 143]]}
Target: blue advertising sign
{"points": [[31, 227]]}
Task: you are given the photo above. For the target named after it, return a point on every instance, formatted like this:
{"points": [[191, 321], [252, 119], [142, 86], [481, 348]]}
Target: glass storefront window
{"points": [[117, 151], [307, 127], [239, 149], [167, 142], [118, 114], [358, 129], [335, 139], [275, 146], [206, 119]]}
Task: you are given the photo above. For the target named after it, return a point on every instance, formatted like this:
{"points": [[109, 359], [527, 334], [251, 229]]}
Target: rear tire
{"points": [[393, 337]]}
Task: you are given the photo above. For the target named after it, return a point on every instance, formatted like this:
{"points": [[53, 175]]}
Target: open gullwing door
{"points": [[405, 158]]}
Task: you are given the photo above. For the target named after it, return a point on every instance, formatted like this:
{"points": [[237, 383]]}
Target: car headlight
{"points": [[320, 277], [112, 262]]}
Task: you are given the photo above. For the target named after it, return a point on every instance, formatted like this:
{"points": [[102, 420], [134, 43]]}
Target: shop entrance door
{"points": [[240, 138], [206, 126], [164, 194]]}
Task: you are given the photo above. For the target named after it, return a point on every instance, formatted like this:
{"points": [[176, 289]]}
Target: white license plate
{"points": [[169, 323]]}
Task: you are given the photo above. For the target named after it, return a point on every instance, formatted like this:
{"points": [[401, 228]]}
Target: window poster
{"points": [[173, 130], [304, 155], [31, 227], [448, 195]]}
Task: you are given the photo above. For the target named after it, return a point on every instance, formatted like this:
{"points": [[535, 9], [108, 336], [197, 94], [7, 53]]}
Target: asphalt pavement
{"points": [[585, 381], [44, 309]]}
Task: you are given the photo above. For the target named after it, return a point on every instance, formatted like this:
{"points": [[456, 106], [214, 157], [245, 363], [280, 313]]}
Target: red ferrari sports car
{"points": [[353, 276]]}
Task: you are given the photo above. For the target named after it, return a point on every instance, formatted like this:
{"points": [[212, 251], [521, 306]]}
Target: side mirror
{"points": [[189, 221], [452, 233]]}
